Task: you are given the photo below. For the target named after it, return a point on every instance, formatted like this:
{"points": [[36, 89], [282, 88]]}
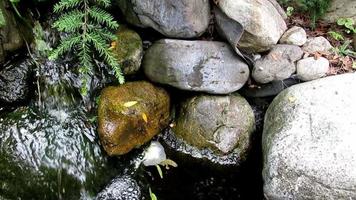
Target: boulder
{"points": [[310, 68], [279, 64], [222, 124], [130, 115], [309, 149], [261, 20], [15, 81], [128, 50], [204, 66], [341, 9], [172, 18], [317, 44], [295, 36], [50, 156]]}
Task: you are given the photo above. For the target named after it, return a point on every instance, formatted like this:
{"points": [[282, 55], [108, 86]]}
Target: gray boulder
{"points": [[15, 81], [310, 68], [309, 149], [220, 123], [317, 44], [261, 20], [341, 9], [295, 36], [172, 18], [205, 66], [279, 64]]}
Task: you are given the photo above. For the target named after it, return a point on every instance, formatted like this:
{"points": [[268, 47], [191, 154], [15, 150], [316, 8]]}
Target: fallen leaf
{"points": [[113, 45], [144, 117], [130, 103], [292, 99]]}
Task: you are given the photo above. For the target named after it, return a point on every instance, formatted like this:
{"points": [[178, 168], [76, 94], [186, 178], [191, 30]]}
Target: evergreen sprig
{"points": [[89, 31]]}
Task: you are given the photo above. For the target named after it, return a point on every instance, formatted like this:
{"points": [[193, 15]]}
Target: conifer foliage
{"points": [[89, 32]]}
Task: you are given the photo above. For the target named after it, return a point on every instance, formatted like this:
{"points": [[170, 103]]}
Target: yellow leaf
{"points": [[130, 103], [112, 45], [144, 117]]}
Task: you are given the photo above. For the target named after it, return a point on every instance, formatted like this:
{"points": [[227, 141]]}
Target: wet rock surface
{"points": [[128, 50], [261, 20], [222, 124], [308, 141], [15, 81], [278, 64], [130, 115], [51, 155], [211, 67], [172, 18]]}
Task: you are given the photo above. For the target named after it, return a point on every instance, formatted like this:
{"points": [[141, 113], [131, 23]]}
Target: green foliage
{"points": [[315, 8], [152, 195], [89, 29], [347, 23], [336, 35], [344, 50], [2, 19], [290, 11]]}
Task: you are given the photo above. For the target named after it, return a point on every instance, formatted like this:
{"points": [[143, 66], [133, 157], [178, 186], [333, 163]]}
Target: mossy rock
{"points": [[130, 115], [222, 124], [128, 50]]}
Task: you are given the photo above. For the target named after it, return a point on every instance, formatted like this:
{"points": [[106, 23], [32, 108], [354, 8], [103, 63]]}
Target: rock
{"points": [[317, 44], [279, 64], [50, 156], [295, 36], [204, 66], [261, 20], [279, 9], [128, 50], [130, 115], [308, 141], [154, 154], [15, 81], [178, 19], [341, 9], [121, 188], [220, 123], [11, 33], [310, 68]]}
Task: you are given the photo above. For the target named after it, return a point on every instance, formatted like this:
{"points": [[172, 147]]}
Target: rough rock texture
{"points": [[122, 126], [295, 36], [261, 20], [50, 156], [317, 44], [172, 18], [211, 67], [128, 50], [10, 34], [310, 68], [279, 64], [219, 123], [121, 188], [341, 9], [15, 82], [309, 149]]}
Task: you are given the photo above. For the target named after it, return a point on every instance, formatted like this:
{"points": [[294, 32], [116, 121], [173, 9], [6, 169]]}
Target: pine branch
{"points": [[70, 22], [103, 17], [66, 4], [66, 45]]}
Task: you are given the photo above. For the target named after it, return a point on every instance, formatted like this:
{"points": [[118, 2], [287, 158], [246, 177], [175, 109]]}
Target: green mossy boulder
{"points": [[128, 50], [130, 115]]}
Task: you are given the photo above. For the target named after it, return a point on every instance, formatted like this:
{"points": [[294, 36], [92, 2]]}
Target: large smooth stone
{"points": [[278, 64], [15, 81], [309, 149], [220, 123], [341, 9], [205, 66], [172, 18], [122, 126], [128, 50], [51, 155], [261, 20]]}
